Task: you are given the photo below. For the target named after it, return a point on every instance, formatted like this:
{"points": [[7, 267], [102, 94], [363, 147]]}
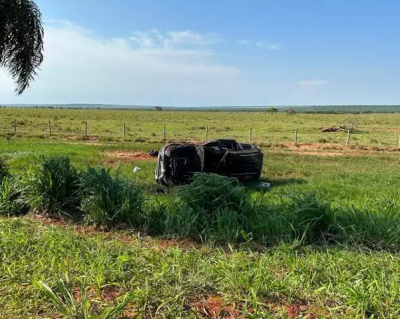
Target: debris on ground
{"points": [[265, 185], [136, 169]]}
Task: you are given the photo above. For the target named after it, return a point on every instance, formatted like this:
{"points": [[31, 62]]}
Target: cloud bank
{"points": [[179, 68], [148, 68]]}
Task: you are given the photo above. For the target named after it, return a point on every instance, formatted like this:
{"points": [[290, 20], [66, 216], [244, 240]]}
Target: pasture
{"points": [[147, 126], [322, 242]]}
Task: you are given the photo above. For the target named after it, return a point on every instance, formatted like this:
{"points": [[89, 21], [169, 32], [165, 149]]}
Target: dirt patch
{"points": [[122, 233], [306, 311], [383, 129], [89, 291], [49, 221], [129, 156], [215, 307], [87, 230], [180, 242], [110, 293], [330, 154], [309, 146], [358, 150], [90, 140]]}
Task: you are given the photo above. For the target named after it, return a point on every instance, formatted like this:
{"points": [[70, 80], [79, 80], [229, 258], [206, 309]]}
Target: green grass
{"points": [[144, 126], [334, 249], [109, 201], [166, 282]]}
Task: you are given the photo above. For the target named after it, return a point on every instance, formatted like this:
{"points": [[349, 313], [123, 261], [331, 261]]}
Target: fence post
{"points": [[206, 133], [124, 130], [165, 133], [15, 127], [295, 137], [49, 128], [85, 129], [348, 138], [250, 134]]}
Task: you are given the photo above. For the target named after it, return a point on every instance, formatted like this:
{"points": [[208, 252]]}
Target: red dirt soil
{"points": [[128, 236], [180, 242], [130, 156], [330, 154], [215, 308], [110, 293], [326, 149]]}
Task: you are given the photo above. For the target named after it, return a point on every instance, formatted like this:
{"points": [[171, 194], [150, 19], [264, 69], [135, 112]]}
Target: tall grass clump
{"points": [[109, 201], [375, 225], [310, 220], [12, 201], [53, 187], [211, 206], [215, 207], [4, 169]]}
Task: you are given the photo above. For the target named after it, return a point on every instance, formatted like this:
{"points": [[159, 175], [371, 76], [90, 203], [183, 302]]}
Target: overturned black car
{"points": [[177, 163]]}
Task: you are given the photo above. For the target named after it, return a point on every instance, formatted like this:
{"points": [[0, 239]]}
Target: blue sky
{"points": [[225, 52]]}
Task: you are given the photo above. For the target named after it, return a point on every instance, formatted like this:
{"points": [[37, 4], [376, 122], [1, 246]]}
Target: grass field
{"points": [[147, 126], [331, 252]]}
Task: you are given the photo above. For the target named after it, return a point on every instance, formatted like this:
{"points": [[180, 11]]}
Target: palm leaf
{"points": [[21, 40]]}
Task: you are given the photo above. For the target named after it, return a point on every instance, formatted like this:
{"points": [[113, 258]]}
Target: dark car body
{"points": [[177, 163]]}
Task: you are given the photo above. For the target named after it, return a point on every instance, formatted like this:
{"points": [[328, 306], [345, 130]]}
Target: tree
{"points": [[272, 110], [21, 40], [158, 108]]}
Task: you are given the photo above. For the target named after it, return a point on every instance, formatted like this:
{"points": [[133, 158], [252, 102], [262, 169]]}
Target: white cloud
{"points": [[154, 39], [180, 68], [274, 46], [149, 68], [261, 44]]}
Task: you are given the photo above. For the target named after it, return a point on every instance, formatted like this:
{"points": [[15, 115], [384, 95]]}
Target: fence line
{"points": [[368, 137]]}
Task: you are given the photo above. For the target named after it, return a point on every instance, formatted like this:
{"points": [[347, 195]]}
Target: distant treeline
{"points": [[340, 109], [321, 109]]}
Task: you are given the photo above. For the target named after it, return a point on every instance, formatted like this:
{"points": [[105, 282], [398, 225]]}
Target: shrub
{"points": [[109, 201], [53, 187]]}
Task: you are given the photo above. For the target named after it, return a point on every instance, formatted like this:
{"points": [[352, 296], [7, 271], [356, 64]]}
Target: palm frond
{"points": [[21, 40]]}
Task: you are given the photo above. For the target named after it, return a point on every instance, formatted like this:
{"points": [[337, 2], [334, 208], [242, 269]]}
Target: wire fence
{"points": [[166, 133]]}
